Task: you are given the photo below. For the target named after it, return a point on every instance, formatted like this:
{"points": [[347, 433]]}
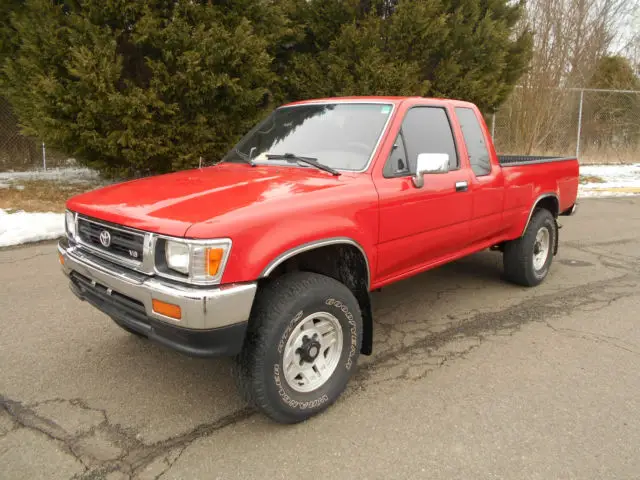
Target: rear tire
{"points": [[301, 348], [527, 259]]}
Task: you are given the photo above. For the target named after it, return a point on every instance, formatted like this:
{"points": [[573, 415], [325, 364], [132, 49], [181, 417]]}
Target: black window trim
{"points": [[400, 132], [406, 155]]}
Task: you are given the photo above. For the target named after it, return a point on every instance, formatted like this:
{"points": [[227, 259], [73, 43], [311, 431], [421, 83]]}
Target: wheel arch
{"points": [[341, 258], [314, 245], [548, 201]]}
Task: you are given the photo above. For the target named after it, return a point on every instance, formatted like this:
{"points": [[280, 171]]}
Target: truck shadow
{"points": [[418, 298], [482, 271], [162, 384]]}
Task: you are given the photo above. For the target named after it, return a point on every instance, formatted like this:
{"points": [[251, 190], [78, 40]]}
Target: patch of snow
{"points": [[612, 172], [21, 227], [65, 174], [618, 180]]}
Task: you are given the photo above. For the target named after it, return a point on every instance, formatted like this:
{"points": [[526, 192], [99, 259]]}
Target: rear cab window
{"points": [[425, 129], [475, 141]]}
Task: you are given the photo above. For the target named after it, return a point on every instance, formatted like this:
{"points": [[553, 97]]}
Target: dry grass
{"points": [[610, 158], [51, 195], [40, 195], [617, 189], [590, 179]]}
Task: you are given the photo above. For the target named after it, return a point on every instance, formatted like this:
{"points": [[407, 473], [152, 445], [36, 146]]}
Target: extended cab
{"points": [[270, 255]]}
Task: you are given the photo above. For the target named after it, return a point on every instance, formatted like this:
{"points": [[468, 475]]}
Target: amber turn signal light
{"points": [[214, 259], [61, 258], [166, 309]]}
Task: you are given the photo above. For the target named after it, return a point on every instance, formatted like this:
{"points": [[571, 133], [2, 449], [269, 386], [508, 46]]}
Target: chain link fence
{"points": [[18, 152], [597, 126]]}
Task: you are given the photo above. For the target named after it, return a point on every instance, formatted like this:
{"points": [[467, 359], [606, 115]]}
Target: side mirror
{"points": [[430, 163]]}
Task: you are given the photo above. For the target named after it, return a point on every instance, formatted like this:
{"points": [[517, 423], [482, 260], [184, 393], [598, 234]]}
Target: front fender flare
{"points": [[305, 247]]}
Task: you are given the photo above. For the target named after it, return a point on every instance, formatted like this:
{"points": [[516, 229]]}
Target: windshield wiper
{"points": [[290, 157]]}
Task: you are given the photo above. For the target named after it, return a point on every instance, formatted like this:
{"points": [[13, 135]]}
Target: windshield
{"points": [[339, 135]]}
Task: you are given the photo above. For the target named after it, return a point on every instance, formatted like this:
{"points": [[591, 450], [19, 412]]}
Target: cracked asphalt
{"points": [[471, 377]]}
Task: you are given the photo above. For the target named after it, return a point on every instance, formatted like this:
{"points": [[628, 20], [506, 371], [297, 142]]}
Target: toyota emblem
{"points": [[105, 238]]}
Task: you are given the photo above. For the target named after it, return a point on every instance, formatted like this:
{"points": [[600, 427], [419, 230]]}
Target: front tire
{"points": [[301, 348], [527, 260]]}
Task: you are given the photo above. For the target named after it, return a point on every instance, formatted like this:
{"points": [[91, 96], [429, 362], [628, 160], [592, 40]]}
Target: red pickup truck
{"points": [[270, 255]]}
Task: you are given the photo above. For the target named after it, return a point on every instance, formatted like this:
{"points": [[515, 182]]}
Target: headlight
{"points": [[70, 220], [177, 255], [201, 262]]}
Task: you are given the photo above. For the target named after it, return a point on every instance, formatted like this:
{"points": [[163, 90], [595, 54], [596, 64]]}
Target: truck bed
{"points": [[514, 160]]}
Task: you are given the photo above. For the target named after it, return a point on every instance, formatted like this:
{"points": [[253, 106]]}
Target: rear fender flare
{"points": [[536, 203]]}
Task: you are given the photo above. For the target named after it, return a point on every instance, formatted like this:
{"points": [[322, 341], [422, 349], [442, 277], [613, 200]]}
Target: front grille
{"points": [[125, 244], [110, 302]]}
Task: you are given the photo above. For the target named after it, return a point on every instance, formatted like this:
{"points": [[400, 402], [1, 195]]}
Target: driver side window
{"points": [[424, 130]]}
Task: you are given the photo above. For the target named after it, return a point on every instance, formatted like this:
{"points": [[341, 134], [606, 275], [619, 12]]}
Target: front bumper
{"points": [[213, 322]]}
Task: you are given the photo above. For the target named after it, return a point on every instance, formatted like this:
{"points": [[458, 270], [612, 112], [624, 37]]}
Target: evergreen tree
{"points": [[8, 35], [138, 87], [462, 49], [611, 117], [614, 73], [134, 88]]}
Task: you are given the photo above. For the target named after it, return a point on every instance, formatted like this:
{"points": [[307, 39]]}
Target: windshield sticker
{"points": [[385, 109]]}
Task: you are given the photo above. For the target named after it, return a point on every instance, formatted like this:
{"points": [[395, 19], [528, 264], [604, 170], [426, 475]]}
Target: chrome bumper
{"points": [[201, 308]]}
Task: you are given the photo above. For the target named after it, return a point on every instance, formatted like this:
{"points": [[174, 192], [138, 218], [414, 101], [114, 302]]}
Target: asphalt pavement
{"points": [[471, 378]]}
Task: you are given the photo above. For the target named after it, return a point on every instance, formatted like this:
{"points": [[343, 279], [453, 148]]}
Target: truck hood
{"points": [[170, 204]]}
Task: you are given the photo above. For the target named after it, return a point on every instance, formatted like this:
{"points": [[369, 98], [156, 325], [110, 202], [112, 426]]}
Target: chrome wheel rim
{"points": [[312, 352], [541, 248]]}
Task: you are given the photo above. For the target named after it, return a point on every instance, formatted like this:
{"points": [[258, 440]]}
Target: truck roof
{"points": [[379, 99]]}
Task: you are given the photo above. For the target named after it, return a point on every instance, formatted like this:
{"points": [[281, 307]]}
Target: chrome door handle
{"points": [[462, 186]]}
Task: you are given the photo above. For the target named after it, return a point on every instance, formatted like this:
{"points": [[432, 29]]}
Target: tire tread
{"points": [[517, 258], [272, 302]]}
